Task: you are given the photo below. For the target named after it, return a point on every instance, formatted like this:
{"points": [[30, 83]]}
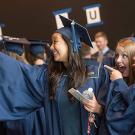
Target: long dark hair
{"points": [[76, 70]]}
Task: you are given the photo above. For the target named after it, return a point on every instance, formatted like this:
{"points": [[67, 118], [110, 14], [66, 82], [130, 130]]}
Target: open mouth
{"points": [[121, 68], [55, 53]]}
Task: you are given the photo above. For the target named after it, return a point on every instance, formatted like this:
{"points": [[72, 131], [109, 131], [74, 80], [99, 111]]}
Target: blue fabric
{"points": [[37, 49], [24, 89], [120, 109], [33, 124]]}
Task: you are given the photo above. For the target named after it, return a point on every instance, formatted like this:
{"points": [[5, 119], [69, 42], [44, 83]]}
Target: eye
{"points": [[124, 56], [54, 42], [116, 55]]}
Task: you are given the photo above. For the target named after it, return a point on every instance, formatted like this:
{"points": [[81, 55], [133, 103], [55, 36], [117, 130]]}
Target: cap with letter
{"points": [[75, 32]]}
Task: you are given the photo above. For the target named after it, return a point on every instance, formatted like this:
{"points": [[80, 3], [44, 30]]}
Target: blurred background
{"points": [[35, 19]]}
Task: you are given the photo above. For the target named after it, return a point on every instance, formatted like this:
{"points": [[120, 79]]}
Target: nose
{"points": [[52, 46], [119, 59]]}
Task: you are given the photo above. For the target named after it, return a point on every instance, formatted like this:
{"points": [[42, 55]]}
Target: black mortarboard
{"points": [[16, 40], [14, 47], [37, 46], [15, 44], [75, 32]]}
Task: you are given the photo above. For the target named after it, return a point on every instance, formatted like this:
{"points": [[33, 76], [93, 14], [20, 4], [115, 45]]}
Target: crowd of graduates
{"points": [[35, 78]]}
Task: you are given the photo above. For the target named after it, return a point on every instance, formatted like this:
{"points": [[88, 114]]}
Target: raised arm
{"points": [[22, 88]]}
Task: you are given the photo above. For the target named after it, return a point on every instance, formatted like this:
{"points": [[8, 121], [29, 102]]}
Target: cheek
{"points": [[98, 43], [127, 67], [64, 53], [126, 62], [64, 49], [116, 61]]}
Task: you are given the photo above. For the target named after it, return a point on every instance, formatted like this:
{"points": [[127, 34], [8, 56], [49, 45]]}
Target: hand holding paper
{"points": [[85, 97]]}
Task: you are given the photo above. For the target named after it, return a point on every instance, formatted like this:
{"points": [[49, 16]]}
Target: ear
{"points": [[106, 41]]}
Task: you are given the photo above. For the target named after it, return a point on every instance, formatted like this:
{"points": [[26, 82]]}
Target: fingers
{"points": [[89, 109], [109, 68], [88, 104]]}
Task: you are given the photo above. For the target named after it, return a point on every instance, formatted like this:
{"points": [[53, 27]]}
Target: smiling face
{"points": [[122, 61], [59, 48]]}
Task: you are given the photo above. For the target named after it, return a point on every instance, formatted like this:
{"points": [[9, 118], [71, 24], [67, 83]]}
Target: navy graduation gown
{"points": [[21, 91], [120, 109], [28, 91], [33, 124], [99, 82]]}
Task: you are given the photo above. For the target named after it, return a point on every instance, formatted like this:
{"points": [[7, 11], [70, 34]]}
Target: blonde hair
{"points": [[129, 45]]}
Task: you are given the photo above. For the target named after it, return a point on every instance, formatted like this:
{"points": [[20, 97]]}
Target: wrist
{"points": [[99, 109]]}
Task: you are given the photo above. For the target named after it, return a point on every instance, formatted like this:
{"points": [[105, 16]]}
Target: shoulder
{"points": [[110, 52]]}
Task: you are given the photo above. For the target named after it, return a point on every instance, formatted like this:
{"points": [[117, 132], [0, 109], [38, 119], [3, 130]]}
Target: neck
{"points": [[65, 64], [39, 62]]}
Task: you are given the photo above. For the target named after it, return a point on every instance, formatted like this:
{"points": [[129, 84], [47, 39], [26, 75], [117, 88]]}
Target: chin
{"points": [[57, 60], [125, 75]]}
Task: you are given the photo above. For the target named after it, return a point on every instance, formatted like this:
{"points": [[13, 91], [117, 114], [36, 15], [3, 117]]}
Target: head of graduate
{"points": [[14, 47], [65, 47], [124, 54]]}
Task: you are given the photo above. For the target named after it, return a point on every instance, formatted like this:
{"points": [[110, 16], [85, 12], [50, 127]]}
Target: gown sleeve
{"points": [[22, 88], [120, 109]]}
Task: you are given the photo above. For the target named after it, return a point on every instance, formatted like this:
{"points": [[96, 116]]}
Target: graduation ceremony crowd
{"points": [[35, 77]]}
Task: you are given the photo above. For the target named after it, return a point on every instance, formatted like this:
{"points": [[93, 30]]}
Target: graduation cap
{"points": [[15, 44], [37, 46], [16, 40], [75, 32]]}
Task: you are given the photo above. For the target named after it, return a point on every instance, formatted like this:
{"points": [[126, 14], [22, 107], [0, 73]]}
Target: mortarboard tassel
{"points": [[75, 48]]}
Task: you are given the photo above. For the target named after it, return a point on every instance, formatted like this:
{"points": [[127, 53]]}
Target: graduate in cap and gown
{"points": [[36, 52], [34, 122], [120, 107], [15, 47], [32, 89]]}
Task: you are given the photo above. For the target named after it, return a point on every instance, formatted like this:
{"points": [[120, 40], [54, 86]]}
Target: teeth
{"points": [[54, 53]]}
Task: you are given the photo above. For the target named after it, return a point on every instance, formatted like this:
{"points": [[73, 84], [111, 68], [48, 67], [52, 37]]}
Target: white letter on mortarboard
{"points": [[93, 14], [63, 12]]}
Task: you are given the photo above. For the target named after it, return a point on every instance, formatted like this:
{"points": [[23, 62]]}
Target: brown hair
{"points": [[16, 56], [85, 50], [129, 45], [76, 70], [101, 34], [32, 58]]}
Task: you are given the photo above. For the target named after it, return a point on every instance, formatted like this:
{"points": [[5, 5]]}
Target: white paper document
{"points": [[79, 96]]}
